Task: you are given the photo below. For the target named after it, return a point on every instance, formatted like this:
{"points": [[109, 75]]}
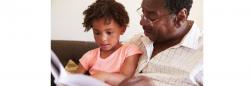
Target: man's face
{"points": [[157, 22]]}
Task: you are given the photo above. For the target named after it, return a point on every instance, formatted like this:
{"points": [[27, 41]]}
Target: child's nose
{"points": [[104, 37]]}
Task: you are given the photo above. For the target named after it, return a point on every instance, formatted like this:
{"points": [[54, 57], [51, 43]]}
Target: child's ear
{"points": [[123, 30]]}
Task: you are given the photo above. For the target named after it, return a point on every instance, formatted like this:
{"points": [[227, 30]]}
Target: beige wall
{"points": [[196, 12], [66, 18]]}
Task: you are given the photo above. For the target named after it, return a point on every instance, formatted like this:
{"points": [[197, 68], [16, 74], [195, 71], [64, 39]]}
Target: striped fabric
{"points": [[179, 65]]}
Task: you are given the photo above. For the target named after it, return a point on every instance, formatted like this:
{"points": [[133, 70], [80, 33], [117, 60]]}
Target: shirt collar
{"points": [[191, 39], [148, 45]]}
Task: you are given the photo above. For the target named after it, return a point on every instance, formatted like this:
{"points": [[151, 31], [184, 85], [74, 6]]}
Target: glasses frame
{"points": [[151, 22]]}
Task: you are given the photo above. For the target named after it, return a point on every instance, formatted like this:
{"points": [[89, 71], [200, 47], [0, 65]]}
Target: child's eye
{"points": [[109, 33], [97, 33]]}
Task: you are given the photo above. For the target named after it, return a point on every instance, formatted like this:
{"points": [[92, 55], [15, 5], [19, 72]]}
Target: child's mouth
{"points": [[104, 45]]}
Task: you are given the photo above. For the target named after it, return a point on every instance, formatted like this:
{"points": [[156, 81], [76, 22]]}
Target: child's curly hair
{"points": [[107, 9]]}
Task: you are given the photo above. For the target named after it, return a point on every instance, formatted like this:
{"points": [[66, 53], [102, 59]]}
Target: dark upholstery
{"points": [[66, 50], [74, 50]]}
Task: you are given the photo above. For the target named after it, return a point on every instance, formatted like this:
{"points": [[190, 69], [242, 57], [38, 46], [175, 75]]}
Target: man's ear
{"points": [[181, 17]]}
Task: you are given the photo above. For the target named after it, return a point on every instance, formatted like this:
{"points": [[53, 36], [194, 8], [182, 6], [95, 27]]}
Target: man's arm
{"points": [[137, 81]]}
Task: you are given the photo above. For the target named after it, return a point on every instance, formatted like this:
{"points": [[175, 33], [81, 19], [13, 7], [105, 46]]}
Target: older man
{"points": [[172, 46]]}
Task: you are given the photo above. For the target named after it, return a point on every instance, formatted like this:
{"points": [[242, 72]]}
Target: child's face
{"points": [[107, 35]]}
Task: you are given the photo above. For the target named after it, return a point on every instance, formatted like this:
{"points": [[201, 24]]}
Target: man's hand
{"points": [[111, 78], [137, 81]]}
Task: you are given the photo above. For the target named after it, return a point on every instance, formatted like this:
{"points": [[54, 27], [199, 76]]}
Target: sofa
{"points": [[66, 50]]}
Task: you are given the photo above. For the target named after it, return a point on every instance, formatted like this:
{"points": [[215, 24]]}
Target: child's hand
{"points": [[71, 67], [100, 75]]}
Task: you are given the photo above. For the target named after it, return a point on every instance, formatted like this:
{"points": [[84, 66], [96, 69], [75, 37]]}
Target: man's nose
{"points": [[144, 22]]}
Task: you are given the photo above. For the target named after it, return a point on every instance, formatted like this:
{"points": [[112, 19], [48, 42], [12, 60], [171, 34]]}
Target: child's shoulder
{"points": [[129, 46], [93, 51]]}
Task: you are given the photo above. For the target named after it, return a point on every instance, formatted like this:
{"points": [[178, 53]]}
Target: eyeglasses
{"points": [[143, 17], [150, 21]]}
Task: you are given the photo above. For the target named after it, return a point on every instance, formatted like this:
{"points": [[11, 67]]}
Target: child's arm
{"points": [[80, 69], [85, 62], [127, 70]]}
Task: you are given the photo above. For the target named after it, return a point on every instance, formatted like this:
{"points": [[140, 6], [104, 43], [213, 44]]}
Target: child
{"points": [[112, 62]]}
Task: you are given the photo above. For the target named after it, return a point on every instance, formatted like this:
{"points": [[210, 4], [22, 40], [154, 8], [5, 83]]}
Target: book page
{"points": [[64, 78]]}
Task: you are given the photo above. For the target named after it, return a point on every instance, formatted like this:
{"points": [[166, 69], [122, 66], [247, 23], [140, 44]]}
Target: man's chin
{"points": [[150, 37]]}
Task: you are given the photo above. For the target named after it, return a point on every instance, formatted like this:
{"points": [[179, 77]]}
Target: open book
{"points": [[64, 78]]}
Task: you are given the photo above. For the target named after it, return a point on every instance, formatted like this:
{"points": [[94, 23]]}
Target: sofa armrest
{"points": [[66, 50]]}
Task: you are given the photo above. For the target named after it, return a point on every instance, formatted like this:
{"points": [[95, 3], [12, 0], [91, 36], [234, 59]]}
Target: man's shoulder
{"points": [[135, 39], [137, 36]]}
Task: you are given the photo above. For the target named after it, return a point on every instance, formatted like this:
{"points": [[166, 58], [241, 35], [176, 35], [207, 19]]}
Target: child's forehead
{"points": [[105, 23]]}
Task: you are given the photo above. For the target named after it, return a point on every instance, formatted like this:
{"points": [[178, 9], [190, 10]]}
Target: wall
{"points": [[67, 18]]}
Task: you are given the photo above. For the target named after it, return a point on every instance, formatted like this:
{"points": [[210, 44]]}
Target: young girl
{"points": [[112, 62]]}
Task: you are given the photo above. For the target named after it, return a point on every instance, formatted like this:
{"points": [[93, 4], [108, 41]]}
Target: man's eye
{"points": [[152, 18]]}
